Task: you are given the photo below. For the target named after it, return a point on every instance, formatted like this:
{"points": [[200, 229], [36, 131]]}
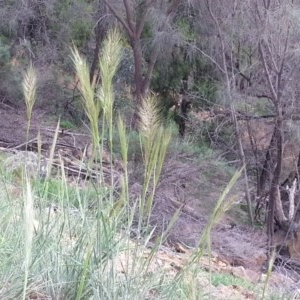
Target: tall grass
{"points": [[29, 91], [28, 231]]}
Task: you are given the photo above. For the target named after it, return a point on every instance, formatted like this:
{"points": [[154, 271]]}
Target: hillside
{"points": [[191, 183], [149, 149]]}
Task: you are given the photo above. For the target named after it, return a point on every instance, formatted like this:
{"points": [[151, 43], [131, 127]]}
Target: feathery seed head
{"points": [[29, 89]]}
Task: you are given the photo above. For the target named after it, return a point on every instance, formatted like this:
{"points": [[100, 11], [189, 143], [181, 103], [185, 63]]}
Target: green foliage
{"points": [[193, 148], [67, 124], [147, 31], [51, 191], [206, 90], [77, 22], [185, 27], [230, 280], [134, 152], [262, 107], [239, 214], [81, 32], [168, 75], [10, 78]]}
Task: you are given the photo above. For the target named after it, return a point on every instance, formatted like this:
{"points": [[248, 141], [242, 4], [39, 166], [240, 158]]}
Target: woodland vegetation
{"points": [[227, 75]]}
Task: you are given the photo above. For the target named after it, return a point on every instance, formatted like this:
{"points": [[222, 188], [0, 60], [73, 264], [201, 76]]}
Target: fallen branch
{"points": [[25, 144]]}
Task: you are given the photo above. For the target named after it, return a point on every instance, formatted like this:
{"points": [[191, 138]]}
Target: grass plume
{"points": [[108, 66], [150, 116], [29, 90], [92, 106], [155, 139]]}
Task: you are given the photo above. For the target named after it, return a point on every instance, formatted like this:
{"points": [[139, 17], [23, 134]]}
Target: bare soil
{"points": [[13, 127], [183, 183]]}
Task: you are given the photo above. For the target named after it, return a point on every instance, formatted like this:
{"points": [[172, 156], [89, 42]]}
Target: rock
{"points": [[22, 160]]}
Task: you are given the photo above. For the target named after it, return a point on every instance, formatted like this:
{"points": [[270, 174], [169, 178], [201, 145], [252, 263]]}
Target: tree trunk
{"points": [[267, 168], [274, 209], [138, 65], [138, 80], [99, 33]]}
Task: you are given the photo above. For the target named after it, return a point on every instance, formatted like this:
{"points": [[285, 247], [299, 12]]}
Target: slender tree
{"points": [[276, 46], [225, 60]]}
